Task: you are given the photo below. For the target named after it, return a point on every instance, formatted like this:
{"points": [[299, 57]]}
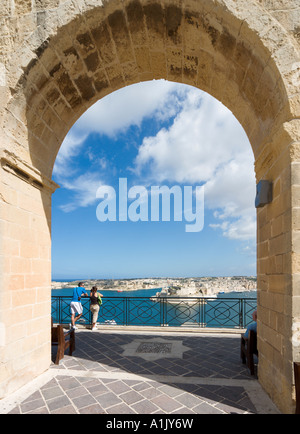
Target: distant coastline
{"points": [[185, 287]]}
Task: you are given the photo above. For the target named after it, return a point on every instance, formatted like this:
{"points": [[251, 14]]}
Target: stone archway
{"points": [[65, 57]]}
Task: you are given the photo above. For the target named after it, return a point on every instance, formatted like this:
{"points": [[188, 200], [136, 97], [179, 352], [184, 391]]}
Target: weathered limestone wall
{"points": [[59, 57], [25, 305], [286, 12], [278, 295]]}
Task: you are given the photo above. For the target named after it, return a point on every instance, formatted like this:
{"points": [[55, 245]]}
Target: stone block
{"points": [[155, 22], [115, 76], [104, 43], [120, 35], [136, 23], [142, 56], [158, 62]]}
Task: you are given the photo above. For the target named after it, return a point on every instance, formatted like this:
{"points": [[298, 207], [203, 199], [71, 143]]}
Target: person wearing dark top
{"points": [[96, 302]]}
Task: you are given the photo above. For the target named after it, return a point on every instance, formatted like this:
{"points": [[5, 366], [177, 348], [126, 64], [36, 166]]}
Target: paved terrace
{"points": [[145, 372]]}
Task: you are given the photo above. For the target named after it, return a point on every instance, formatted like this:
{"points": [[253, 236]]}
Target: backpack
{"points": [[99, 300]]}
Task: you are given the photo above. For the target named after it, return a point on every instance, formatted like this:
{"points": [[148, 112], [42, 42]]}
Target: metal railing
{"points": [[163, 311]]}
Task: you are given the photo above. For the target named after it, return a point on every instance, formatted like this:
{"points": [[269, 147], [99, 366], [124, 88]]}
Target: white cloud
{"points": [[84, 190], [241, 229], [82, 187], [70, 148], [206, 144], [203, 137], [109, 116], [128, 106], [116, 112]]}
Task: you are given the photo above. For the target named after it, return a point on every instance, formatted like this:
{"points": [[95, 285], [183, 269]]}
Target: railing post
{"points": [[163, 311], [202, 312], [60, 310], [241, 312]]}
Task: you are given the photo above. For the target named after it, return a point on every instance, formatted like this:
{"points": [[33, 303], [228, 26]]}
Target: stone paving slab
{"points": [[205, 376], [86, 395]]}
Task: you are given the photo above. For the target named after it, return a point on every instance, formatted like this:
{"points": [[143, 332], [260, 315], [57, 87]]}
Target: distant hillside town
{"points": [[190, 286]]}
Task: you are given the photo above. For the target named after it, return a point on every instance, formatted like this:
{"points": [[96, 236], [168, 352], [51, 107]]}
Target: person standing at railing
{"points": [[76, 306], [96, 302]]}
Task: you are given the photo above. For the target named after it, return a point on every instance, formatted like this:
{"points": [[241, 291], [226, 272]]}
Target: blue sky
{"points": [[156, 133]]}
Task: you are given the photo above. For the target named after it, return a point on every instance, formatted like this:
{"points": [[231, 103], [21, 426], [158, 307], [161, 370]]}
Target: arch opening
{"points": [[150, 137]]}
